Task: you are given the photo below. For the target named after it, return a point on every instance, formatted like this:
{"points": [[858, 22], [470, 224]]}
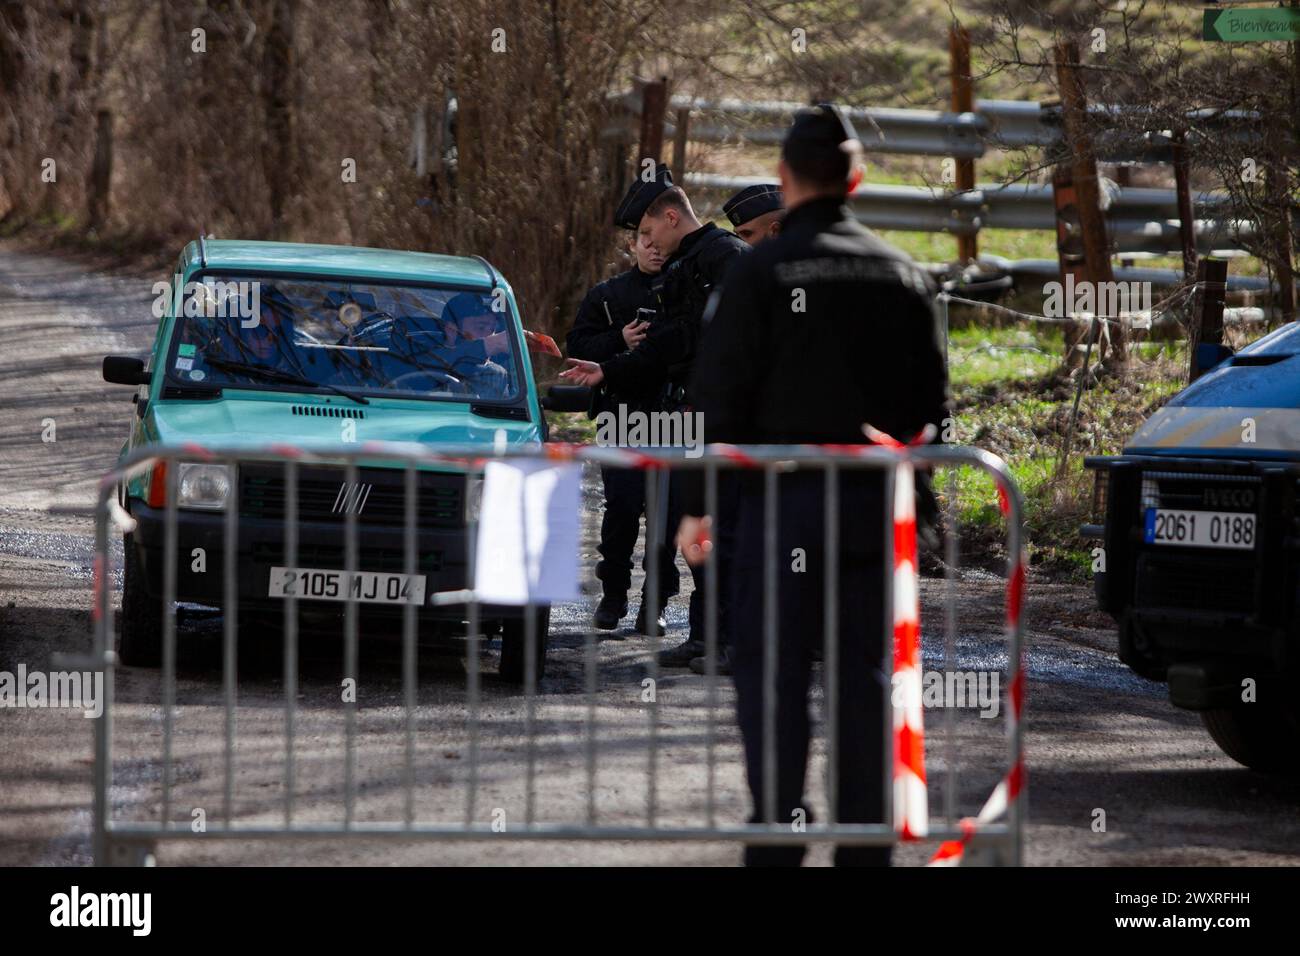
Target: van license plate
{"points": [[1200, 529], [366, 586]]}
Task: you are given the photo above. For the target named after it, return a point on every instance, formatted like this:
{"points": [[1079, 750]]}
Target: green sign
{"points": [[1252, 25]]}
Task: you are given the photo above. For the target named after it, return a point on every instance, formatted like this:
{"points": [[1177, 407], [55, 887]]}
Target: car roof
{"points": [[240, 255]]}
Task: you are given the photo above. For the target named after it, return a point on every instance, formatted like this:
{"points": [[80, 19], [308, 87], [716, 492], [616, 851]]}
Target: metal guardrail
{"points": [[1138, 219], [1049, 270], [994, 124], [121, 838]]}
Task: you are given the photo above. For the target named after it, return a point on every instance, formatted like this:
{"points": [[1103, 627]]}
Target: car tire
{"points": [[1258, 736], [140, 637], [513, 640]]}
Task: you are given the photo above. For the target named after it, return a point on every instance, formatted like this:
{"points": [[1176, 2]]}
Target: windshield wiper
{"points": [[269, 374]]}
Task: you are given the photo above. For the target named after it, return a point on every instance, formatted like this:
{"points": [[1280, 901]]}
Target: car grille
{"points": [[378, 498]]}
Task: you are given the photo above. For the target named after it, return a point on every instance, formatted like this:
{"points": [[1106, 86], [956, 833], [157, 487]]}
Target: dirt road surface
{"points": [[1098, 738]]}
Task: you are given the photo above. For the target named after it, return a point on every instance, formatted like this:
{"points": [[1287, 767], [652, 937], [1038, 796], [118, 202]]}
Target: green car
{"points": [[264, 343]]}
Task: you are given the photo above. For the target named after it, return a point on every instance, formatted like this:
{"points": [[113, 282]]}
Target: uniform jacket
{"points": [[597, 335], [683, 287], [822, 328]]}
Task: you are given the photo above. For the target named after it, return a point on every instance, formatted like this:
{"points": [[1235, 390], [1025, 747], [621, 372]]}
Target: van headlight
{"points": [[203, 486]]}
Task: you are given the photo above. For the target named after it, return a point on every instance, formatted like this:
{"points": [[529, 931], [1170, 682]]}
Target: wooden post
{"points": [[1069, 253], [101, 171], [1285, 275], [654, 100], [99, 179], [1206, 326], [1283, 250], [1124, 179], [963, 101], [278, 70], [1186, 215], [1092, 222], [680, 139]]}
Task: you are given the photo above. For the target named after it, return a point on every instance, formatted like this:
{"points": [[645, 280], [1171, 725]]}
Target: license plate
{"points": [[1200, 529], [320, 584]]}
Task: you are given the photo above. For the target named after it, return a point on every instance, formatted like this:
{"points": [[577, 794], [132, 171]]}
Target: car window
{"points": [[406, 340]]}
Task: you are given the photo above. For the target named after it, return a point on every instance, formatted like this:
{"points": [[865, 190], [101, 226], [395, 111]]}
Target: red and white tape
{"points": [[951, 852], [911, 804]]}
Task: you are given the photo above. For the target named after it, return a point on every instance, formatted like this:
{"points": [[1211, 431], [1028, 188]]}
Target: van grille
{"points": [[1199, 491], [1189, 582]]}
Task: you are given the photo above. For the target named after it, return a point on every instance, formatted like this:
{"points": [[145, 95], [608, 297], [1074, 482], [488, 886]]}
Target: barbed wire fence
{"points": [[1173, 309]]}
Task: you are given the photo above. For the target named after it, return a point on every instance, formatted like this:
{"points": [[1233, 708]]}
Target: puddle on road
{"points": [[1060, 664], [75, 551]]}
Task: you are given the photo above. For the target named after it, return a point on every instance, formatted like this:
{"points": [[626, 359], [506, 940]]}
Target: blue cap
{"points": [[752, 201], [822, 132], [640, 195]]}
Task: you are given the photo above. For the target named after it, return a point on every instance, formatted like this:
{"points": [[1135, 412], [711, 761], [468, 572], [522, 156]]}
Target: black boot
{"points": [[643, 620], [610, 611], [700, 665], [682, 654]]}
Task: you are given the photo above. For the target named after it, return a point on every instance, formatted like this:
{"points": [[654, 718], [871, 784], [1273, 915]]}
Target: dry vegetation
{"points": [[483, 126]]}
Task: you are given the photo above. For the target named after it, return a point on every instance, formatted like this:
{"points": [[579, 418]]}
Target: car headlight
{"points": [[203, 486]]}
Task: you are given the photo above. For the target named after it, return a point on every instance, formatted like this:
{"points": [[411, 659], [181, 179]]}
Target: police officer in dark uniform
{"points": [[696, 257], [822, 329], [756, 212], [614, 317]]}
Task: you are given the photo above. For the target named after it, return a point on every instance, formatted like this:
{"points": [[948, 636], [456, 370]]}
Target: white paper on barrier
{"points": [[527, 547]]}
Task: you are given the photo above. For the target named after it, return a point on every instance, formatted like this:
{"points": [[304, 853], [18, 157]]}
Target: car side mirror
{"points": [[567, 398], [125, 370]]}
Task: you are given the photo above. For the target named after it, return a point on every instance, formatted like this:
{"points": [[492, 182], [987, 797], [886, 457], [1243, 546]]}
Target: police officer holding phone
{"points": [[614, 317], [822, 329]]}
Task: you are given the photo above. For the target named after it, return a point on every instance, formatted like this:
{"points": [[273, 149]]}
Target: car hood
{"points": [[233, 422]]}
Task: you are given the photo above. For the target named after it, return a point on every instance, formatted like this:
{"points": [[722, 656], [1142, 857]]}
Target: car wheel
{"points": [[513, 639], [1261, 737], [140, 639]]}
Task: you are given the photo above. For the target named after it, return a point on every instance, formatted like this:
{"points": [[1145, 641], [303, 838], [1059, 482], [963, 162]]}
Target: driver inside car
{"points": [[476, 340]]}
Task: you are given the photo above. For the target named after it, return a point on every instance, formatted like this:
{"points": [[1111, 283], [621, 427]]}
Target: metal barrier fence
{"points": [[120, 837]]}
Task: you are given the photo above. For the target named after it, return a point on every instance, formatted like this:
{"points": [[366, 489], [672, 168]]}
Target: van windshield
{"points": [[282, 333]]}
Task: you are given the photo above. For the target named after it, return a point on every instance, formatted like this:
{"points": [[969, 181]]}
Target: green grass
{"points": [[981, 355], [1015, 402]]}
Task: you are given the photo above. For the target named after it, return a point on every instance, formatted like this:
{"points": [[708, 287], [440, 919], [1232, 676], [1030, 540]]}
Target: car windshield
{"points": [[349, 337]]}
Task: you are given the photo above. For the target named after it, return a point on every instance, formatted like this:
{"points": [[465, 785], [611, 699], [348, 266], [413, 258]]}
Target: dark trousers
{"points": [[863, 685], [625, 502], [724, 546]]}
